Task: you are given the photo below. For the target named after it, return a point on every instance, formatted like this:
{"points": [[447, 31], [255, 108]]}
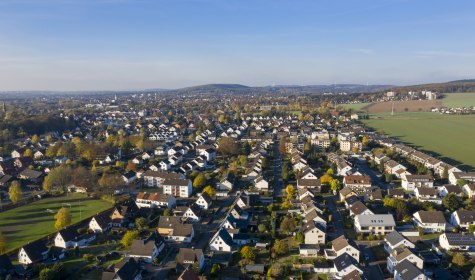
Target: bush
{"points": [[88, 257]]}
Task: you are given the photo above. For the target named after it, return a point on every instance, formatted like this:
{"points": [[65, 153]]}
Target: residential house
{"points": [[456, 177], [406, 270], [469, 190], [427, 194], [395, 240], [345, 264], [374, 224], [313, 184], [204, 201], [100, 223], [156, 178], [127, 268], [357, 183], [430, 221], [314, 233], [155, 200], [69, 238], [462, 218], [194, 213], [222, 241], [396, 193], [191, 257], [173, 229], [261, 184], [33, 252], [457, 241], [446, 189], [410, 182], [177, 187], [342, 245], [147, 249], [401, 254], [358, 208], [188, 274], [309, 250]]}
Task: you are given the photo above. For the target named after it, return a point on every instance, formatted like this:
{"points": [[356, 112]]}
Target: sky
{"points": [[143, 44]]}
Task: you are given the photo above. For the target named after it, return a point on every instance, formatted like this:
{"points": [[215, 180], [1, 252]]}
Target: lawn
{"points": [[36, 220], [464, 99], [450, 136]]}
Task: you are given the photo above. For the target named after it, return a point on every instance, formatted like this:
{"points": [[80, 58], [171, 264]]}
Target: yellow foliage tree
{"points": [[63, 218]]}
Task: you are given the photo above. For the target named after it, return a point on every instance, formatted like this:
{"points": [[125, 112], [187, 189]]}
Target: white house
{"points": [[313, 233], [222, 241], [33, 252], [374, 224], [410, 182], [194, 213], [430, 221], [147, 250], [457, 241], [204, 201], [155, 200], [177, 187], [469, 190], [261, 184], [462, 218], [100, 223], [69, 238], [408, 271], [399, 255], [395, 240]]}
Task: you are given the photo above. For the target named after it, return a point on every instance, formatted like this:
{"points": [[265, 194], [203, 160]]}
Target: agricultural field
{"points": [[404, 106], [450, 136], [464, 99], [36, 220]]}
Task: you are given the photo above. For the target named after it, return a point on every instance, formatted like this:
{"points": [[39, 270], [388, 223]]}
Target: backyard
{"points": [[36, 220]]}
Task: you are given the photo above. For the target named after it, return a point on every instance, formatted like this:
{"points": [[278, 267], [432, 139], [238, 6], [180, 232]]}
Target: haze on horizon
{"points": [[139, 44]]}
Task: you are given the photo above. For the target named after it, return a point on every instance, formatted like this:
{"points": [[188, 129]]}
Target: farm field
{"points": [[404, 106], [450, 136], [36, 220], [464, 99]]}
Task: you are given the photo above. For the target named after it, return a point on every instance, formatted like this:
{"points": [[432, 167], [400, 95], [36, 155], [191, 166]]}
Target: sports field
{"points": [[451, 136], [33, 221], [464, 99]]}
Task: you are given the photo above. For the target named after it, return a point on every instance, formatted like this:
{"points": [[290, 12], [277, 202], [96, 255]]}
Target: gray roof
{"points": [[407, 270], [376, 220], [431, 217], [394, 238], [344, 261], [466, 216], [460, 239]]}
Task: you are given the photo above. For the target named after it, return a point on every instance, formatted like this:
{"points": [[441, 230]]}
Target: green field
{"points": [[451, 136], [355, 106], [464, 99], [36, 220]]}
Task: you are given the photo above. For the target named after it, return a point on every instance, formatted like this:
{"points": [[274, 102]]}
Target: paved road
{"points": [[336, 218], [278, 183], [375, 176]]}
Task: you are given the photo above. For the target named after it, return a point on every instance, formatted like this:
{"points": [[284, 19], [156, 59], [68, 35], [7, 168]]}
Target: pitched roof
{"points": [[358, 208], [187, 255], [34, 250], [206, 197], [358, 180], [394, 238], [466, 216], [407, 270], [344, 261], [188, 274], [431, 217], [145, 247], [460, 239], [375, 220], [342, 242]]}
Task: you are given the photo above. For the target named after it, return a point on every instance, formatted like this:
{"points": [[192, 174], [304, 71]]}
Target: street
{"points": [[336, 218], [278, 183]]}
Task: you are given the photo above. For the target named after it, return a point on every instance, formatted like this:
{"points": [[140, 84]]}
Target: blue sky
{"points": [[139, 44]]}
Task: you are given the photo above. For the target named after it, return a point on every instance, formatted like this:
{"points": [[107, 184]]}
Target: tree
{"points": [[326, 179], [276, 270], [248, 253], [262, 228], [3, 243], [141, 223], [35, 139], [58, 177], [128, 237], [472, 274], [15, 192], [63, 218], [287, 225], [330, 172], [228, 146], [299, 237], [290, 190], [210, 190], [281, 247], [365, 141], [46, 274], [167, 212], [461, 182], [287, 204], [451, 202], [285, 171], [111, 180], [458, 259], [199, 181], [334, 185], [445, 173], [28, 153], [270, 207], [471, 228], [83, 178]]}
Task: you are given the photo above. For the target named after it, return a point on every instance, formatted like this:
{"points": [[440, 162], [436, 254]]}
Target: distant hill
{"points": [[452, 86]]}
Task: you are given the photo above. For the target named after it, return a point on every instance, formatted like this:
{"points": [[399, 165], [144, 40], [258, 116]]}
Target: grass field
{"points": [[36, 220], [464, 99], [451, 136], [355, 106]]}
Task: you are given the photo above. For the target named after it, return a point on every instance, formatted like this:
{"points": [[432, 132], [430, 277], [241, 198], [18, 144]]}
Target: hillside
{"points": [[452, 86]]}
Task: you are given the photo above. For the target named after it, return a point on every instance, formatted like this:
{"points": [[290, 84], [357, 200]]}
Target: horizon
{"points": [[124, 45]]}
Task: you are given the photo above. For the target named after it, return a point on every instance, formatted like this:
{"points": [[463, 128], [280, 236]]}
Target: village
{"points": [[228, 187]]}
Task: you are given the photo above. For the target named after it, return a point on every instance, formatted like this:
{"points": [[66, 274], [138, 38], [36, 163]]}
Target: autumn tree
{"points": [[128, 237], [35, 139], [248, 253], [334, 184], [58, 177], [3, 243], [83, 178], [282, 145], [290, 190], [281, 246], [28, 153], [210, 191], [287, 225], [141, 223], [228, 146], [63, 218], [365, 141], [111, 180], [199, 181], [326, 179], [15, 193], [459, 259]]}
